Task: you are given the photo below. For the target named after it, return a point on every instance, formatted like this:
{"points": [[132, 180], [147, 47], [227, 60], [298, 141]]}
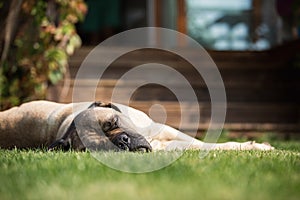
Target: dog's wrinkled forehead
{"points": [[95, 116], [103, 114]]}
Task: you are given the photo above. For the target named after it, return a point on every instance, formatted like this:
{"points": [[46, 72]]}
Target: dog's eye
{"points": [[108, 126]]}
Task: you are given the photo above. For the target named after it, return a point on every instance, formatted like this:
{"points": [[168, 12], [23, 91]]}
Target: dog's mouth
{"points": [[140, 148], [132, 142]]}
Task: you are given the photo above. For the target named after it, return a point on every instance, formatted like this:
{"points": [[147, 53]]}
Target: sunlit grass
{"points": [[220, 175]]}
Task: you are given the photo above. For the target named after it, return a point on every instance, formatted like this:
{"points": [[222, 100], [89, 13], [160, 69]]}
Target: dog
{"points": [[97, 126]]}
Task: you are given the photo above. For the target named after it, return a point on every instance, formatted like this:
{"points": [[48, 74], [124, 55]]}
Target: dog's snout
{"points": [[122, 141], [143, 145], [132, 142]]}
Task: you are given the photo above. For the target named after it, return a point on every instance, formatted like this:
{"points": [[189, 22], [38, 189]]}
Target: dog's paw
{"points": [[252, 145]]}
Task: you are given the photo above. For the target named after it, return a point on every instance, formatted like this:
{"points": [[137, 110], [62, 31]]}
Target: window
{"points": [[225, 25]]}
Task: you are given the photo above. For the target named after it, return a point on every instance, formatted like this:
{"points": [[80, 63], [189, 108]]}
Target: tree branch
{"points": [[10, 26]]}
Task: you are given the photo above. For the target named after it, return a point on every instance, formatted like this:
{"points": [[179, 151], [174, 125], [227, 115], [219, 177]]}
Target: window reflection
{"points": [[226, 25]]}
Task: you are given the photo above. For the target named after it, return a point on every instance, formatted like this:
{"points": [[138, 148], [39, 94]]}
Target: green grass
{"points": [[220, 175]]}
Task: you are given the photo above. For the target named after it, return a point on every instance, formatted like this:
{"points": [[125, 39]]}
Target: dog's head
{"points": [[102, 127]]}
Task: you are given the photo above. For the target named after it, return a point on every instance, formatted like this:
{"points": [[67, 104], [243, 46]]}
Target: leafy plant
{"points": [[37, 39]]}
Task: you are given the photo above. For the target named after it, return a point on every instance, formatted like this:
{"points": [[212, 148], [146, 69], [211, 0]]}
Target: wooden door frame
{"points": [[181, 15]]}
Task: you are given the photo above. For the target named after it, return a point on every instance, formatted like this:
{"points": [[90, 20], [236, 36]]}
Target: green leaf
{"points": [[55, 76], [58, 55], [75, 41], [68, 29]]}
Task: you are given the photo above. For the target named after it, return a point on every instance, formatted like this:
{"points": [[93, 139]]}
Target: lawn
{"points": [[220, 175]]}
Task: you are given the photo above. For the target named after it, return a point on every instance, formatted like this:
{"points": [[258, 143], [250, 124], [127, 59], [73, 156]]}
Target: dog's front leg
{"points": [[164, 137]]}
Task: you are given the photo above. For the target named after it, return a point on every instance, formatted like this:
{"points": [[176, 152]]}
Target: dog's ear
{"points": [[64, 143], [105, 105]]}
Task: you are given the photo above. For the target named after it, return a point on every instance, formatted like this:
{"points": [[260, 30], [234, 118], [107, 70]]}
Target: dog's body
{"points": [[96, 126], [35, 124]]}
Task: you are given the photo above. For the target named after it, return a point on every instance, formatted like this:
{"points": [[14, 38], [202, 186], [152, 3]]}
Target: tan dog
{"points": [[96, 126]]}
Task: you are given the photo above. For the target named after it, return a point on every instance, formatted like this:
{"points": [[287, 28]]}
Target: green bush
{"points": [[36, 54]]}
